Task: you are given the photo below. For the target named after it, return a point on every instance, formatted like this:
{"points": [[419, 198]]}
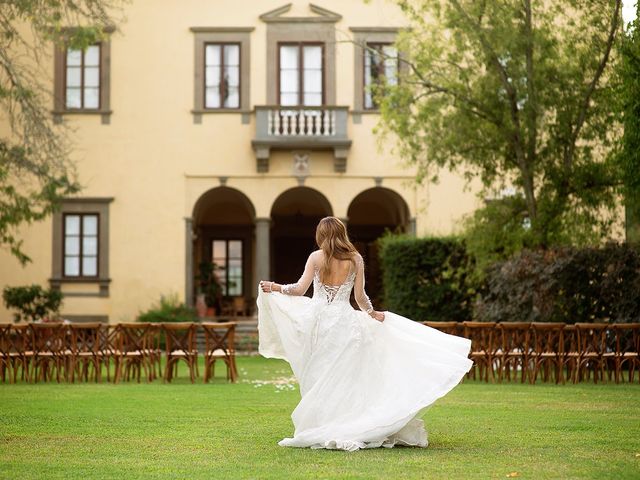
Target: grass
{"points": [[215, 431]]}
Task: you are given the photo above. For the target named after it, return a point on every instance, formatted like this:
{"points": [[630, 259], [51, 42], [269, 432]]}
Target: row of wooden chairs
{"points": [[69, 351], [550, 351]]}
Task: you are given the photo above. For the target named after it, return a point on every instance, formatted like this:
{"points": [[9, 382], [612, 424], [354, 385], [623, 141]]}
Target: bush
{"points": [[168, 309], [426, 278], [564, 285], [33, 302]]}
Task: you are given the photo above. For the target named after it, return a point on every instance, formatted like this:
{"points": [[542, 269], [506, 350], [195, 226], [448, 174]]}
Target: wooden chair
{"points": [[548, 351], [627, 350], [154, 350], [134, 341], [109, 349], [592, 351], [571, 351], [180, 345], [483, 347], [86, 351], [16, 351], [513, 353], [49, 351], [219, 345], [447, 327], [6, 350]]}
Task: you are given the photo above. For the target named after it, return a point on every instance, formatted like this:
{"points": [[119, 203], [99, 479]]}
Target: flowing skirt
{"points": [[363, 383]]}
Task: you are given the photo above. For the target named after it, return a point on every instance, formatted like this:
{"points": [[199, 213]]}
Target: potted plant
{"points": [[210, 288]]}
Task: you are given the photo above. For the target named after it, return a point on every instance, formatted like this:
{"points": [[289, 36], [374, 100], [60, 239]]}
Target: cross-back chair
{"points": [[134, 344], [548, 353], [483, 347], [219, 345], [50, 353], [513, 354], [180, 345], [86, 351]]}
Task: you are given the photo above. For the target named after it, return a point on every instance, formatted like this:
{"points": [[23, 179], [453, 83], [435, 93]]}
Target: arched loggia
{"points": [[294, 216], [370, 214]]}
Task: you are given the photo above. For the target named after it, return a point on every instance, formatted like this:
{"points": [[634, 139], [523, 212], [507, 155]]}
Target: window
{"points": [[80, 245], [227, 255], [380, 68], [80, 253], [222, 75], [301, 76], [82, 78]]}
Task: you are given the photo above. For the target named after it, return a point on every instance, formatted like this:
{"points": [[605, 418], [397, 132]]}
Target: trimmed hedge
{"points": [[426, 278], [564, 285]]}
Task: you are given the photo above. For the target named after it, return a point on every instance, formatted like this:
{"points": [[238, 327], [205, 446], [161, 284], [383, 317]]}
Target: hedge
{"points": [[426, 278], [564, 285]]}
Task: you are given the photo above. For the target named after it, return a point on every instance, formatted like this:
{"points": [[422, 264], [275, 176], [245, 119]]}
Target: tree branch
{"points": [[582, 115]]}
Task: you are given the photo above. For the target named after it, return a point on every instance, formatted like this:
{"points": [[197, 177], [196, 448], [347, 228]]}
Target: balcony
{"points": [[310, 128]]}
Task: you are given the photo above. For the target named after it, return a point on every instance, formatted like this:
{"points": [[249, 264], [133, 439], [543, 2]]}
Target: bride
{"points": [[365, 376]]}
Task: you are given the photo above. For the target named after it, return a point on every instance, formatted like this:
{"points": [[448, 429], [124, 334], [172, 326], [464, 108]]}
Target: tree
{"points": [[629, 159], [517, 93], [35, 168]]}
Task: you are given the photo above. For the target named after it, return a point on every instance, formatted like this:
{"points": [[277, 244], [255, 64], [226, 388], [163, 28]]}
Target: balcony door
{"points": [[301, 74]]}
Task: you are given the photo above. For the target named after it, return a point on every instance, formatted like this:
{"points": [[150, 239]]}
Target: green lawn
{"points": [[221, 431]]}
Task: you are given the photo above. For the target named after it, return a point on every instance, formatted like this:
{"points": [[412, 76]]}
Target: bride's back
{"points": [[339, 270]]}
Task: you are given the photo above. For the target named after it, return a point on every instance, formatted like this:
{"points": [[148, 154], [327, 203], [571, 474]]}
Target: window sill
{"points": [[103, 284], [200, 111], [104, 114], [365, 112], [245, 115]]}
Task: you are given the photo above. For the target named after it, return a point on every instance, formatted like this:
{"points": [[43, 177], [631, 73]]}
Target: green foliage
{"points": [[32, 302], [426, 278], [629, 158], [564, 285], [515, 94], [497, 231], [36, 172], [168, 309]]}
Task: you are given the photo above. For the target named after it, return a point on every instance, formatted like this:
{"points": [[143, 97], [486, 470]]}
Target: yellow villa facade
{"points": [[223, 131]]}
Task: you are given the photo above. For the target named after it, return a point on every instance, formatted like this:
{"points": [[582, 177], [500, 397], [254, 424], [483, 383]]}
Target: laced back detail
{"points": [[333, 293]]}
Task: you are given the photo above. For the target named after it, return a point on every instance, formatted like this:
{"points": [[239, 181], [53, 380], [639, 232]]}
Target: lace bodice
{"points": [[331, 293]]}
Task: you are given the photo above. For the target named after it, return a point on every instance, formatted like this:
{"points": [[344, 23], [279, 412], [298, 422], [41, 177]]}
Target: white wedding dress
{"points": [[363, 383]]}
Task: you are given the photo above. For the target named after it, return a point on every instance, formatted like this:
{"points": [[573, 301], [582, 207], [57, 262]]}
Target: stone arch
{"points": [[370, 214], [223, 220], [294, 216]]}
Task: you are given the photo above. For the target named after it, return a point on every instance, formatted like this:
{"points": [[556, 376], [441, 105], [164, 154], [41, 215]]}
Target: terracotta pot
{"points": [[211, 312]]}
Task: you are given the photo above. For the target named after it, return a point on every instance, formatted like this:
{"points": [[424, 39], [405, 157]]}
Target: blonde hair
{"points": [[332, 239]]}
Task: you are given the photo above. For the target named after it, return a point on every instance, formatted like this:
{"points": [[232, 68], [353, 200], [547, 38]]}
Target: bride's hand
{"points": [[378, 316], [267, 286]]}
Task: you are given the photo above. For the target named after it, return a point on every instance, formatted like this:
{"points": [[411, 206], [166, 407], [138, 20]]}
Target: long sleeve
{"points": [[302, 285], [358, 289]]}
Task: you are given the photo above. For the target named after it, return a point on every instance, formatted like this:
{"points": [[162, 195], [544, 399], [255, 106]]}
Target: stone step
{"points": [[246, 339]]}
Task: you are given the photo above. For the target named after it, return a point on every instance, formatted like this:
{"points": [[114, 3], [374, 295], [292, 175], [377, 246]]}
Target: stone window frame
{"points": [[59, 83], [96, 205], [222, 35], [362, 36], [305, 30]]}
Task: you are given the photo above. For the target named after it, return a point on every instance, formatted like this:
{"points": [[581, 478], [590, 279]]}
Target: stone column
{"points": [[263, 249], [188, 248], [412, 226]]}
